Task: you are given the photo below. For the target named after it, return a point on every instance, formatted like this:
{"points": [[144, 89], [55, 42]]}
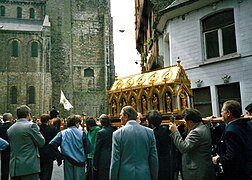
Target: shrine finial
{"points": [[178, 61]]}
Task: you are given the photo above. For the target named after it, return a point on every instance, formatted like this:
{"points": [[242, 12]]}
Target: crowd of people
{"points": [[141, 149]]}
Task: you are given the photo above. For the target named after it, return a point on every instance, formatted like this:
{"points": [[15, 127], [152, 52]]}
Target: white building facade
{"points": [[214, 42]]}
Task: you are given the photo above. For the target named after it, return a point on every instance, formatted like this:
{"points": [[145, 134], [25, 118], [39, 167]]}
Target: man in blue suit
{"points": [[134, 152]]}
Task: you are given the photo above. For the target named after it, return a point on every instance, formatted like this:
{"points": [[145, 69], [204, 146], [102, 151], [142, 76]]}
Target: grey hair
{"points": [[130, 111]]}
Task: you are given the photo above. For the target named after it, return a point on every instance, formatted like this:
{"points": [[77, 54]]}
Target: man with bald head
{"points": [[134, 152]]}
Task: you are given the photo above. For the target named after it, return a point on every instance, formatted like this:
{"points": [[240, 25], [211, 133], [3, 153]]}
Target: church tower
{"points": [[53, 45], [82, 53]]}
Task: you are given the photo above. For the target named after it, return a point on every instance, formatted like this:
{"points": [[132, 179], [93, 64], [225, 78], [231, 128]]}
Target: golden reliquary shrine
{"points": [[167, 90]]}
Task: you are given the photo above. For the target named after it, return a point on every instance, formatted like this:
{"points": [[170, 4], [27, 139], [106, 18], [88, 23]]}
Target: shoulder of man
{"points": [[119, 131], [236, 125]]}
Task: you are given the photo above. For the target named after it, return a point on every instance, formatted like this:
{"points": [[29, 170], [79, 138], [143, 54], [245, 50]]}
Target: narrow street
{"points": [[57, 172]]}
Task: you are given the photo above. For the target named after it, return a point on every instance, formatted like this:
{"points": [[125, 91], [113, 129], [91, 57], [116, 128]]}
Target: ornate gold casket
{"points": [[167, 90]]}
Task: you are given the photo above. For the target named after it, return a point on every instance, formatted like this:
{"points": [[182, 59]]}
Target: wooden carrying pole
{"points": [[180, 122], [205, 120]]}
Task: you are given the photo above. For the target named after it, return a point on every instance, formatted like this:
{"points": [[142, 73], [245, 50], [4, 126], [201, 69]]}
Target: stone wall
{"points": [[79, 43], [24, 71], [80, 39]]}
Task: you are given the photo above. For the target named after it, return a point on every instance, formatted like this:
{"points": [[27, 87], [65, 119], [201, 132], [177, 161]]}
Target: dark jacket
{"points": [[234, 148], [48, 132], [5, 154], [102, 153], [164, 149]]}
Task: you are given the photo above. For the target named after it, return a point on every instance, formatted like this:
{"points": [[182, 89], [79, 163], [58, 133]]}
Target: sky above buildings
{"points": [[125, 53]]}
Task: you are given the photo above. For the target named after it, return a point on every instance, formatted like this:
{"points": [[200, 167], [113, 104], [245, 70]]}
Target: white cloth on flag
{"points": [[63, 100]]}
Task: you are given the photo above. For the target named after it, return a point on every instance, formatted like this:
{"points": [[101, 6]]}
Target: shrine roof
{"points": [[168, 75]]}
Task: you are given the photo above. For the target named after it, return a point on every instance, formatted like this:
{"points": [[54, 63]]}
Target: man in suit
{"points": [[103, 148], [166, 152], [5, 154], [196, 148], [47, 156], [24, 138], [235, 148], [134, 152]]}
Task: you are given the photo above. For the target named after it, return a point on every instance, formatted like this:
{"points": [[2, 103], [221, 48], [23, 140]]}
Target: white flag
{"points": [[63, 100]]}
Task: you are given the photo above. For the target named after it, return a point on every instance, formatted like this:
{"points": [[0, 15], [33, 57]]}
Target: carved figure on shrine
{"points": [[155, 102], [114, 108], [123, 103], [144, 105], [183, 101], [168, 102], [133, 103]]}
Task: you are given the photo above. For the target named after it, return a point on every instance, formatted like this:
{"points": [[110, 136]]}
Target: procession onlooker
{"points": [[141, 119], [25, 138], [74, 146], [46, 155], [54, 119], [134, 152], [3, 144], [103, 148], [5, 154], [92, 129], [196, 148]]}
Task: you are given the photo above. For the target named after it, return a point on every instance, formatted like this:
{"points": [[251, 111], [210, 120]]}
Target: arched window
{"points": [[14, 48], [19, 12], [219, 34], [34, 49], [32, 14], [2, 11], [89, 72], [31, 95], [13, 95]]}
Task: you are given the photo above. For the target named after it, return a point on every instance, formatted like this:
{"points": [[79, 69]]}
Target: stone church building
{"points": [[51, 45]]}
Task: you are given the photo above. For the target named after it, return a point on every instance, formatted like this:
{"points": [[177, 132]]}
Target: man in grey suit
{"points": [[25, 138], [134, 153], [196, 148]]}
